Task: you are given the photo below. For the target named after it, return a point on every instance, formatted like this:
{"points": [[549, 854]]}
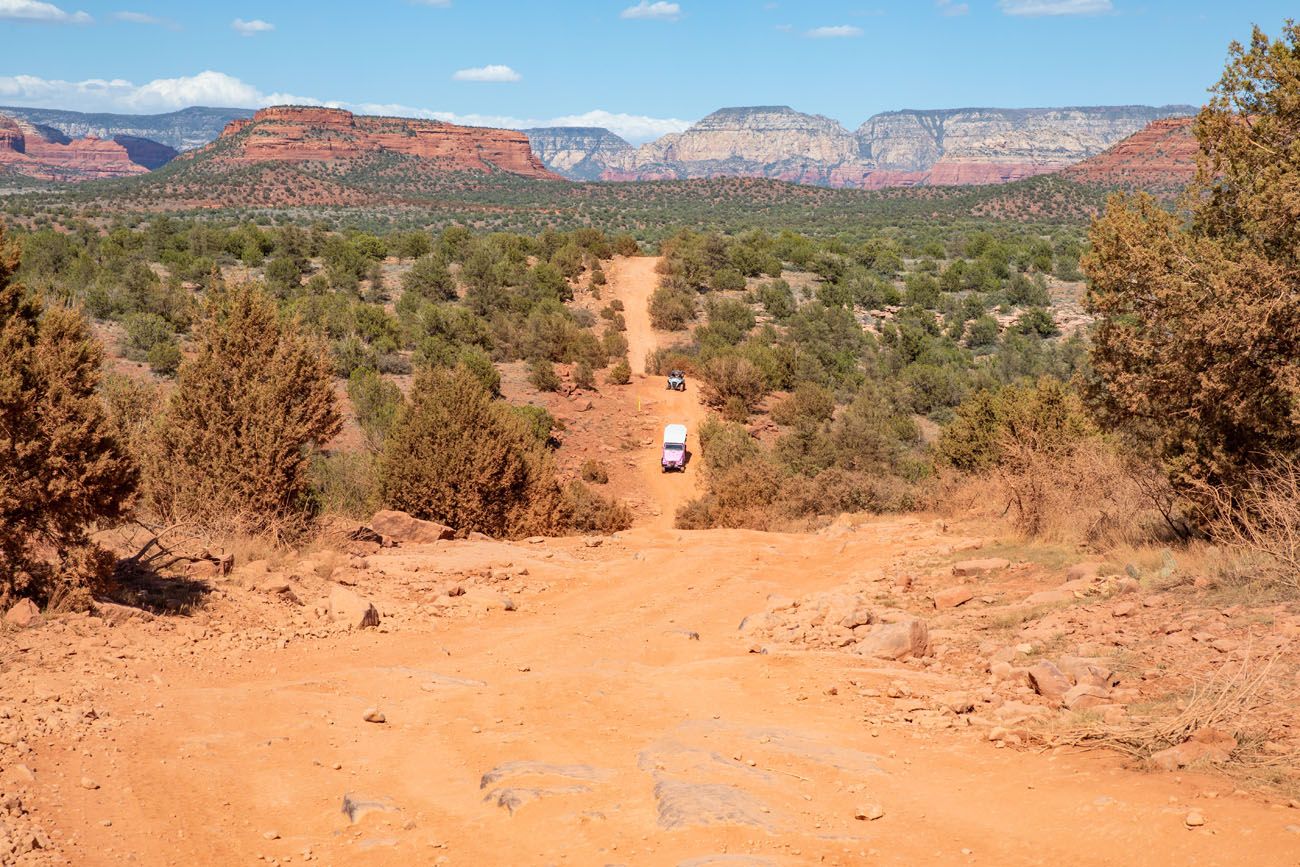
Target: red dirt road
{"points": [[616, 716]]}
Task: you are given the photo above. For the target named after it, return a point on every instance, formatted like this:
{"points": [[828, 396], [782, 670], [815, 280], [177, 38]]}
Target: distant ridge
{"points": [[183, 130], [908, 147]]}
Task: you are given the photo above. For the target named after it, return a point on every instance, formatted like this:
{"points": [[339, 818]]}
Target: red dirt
{"points": [[611, 713]]}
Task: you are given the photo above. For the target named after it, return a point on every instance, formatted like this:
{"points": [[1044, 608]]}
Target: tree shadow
{"points": [[159, 593]]}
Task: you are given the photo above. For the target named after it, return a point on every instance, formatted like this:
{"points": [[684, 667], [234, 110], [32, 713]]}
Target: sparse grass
{"points": [[1048, 555], [1232, 699], [1012, 618]]}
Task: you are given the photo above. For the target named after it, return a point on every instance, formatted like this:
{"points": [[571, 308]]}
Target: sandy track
{"points": [[632, 281], [616, 737]]}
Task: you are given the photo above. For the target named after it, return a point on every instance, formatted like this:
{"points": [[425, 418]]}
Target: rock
{"points": [[483, 599], [23, 614], [1225, 645], [1087, 670], [1083, 696], [43, 153], [905, 148], [88, 783], [274, 586], [1124, 609], [1161, 155], [1206, 745], [593, 541], [952, 597], [1048, 597], [373, 715], [859, 616], [980, 567], [1048, 680], [346, 606], [1194, 819], [403, 528], [869, 812], [895, 640], [290, 134]]}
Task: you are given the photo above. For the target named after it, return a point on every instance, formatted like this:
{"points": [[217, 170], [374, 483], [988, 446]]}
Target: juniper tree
{"points": [[61, 469], [234, 447], [1197, 348]]}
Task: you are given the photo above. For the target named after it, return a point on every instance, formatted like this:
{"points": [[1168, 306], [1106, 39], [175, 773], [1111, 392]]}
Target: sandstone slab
{"points": [[895, 640], [402, 527], [348, 607], [952, 597]]}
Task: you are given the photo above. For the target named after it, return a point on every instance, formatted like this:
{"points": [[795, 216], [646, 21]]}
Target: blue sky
{"points": [[641, 67]]}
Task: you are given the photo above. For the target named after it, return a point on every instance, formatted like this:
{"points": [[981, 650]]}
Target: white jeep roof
{"points": [[675, 433]]}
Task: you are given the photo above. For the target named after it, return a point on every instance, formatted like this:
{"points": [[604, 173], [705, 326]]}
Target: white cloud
{"points": [[951, 9], [494, 72], [659, 11], [142, 18], [1039, 8], [34, 10], [839, 31], [163, 94], [251, 28], [225, 91]]}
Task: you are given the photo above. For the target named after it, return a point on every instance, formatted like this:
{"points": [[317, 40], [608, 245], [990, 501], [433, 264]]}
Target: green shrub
{"points": [[808, 403], [457, 456], [672, 309], [727, 280], [542, 375], [430, 278], [375, 401], [164, 358], [732, 380], [589, 512], [583, 376], [594, 471], [344, 483], [620, 373]]}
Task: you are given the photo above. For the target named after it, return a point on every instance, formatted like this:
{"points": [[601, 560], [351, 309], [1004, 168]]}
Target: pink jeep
{"points": [[674, 456]]}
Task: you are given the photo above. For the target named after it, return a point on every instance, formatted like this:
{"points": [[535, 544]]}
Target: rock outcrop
{"points": [[899, 148], [48, 154], [579, 152], [182, 130], [1161, 157], [296, 134]]}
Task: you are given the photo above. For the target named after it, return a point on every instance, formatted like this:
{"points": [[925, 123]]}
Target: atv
{"points": [[677, 380]]}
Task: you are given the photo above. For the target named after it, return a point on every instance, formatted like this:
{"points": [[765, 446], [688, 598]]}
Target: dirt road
{"points": [[632, 281], [616, 717], [578, 704]]}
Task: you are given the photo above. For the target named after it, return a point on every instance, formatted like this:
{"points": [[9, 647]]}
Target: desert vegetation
{"points": [[252, 349]]}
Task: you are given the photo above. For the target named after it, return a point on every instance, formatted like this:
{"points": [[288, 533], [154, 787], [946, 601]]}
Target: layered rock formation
{"points": [[47, 154], [900, 148], [578, 152], [1161, 157], [296, 134], [183, 130]]}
